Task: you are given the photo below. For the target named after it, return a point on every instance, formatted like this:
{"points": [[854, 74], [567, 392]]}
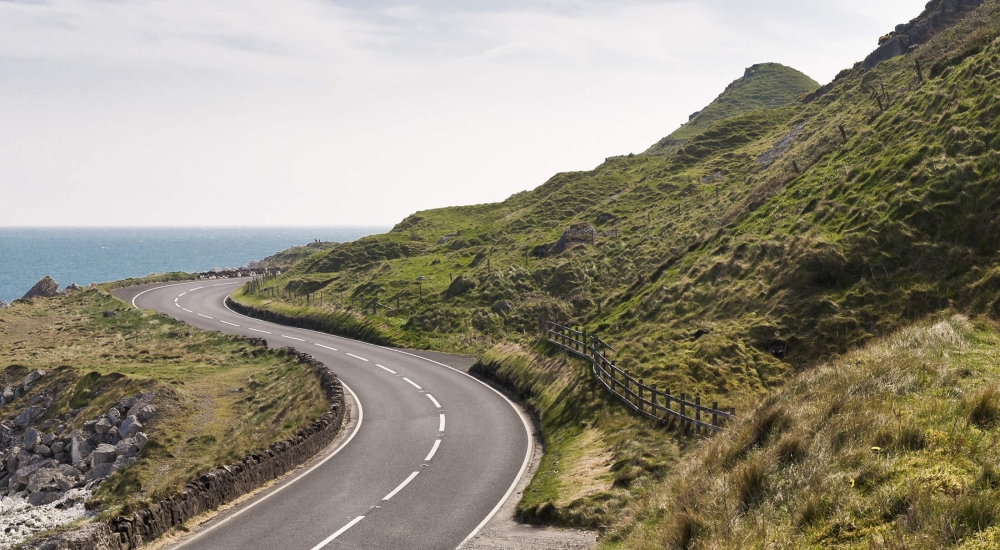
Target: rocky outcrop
{"points": [[4, 305], [45, 288], [936, 16]]}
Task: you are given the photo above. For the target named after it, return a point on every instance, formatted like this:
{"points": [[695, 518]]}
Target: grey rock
{"points": [[7, 396], [126, 447], [74, 287], [12, 459], [100, 471], [49, 479], [130, 426], [102, 426], [89, 426], [43, 450], [103, 454], [4, 305], [31, 438], [24, 473], [29, 416], [146, 413], [48, 439], [30, 380], [143, 401], [45, 288], [79, 450], [114, 416], [127, 402], [141, 439]]}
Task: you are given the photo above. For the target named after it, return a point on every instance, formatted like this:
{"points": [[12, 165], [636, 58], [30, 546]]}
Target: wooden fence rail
{"points": [[660, 405]]}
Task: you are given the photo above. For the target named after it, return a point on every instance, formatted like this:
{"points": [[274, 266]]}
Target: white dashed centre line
{"points": [[435, 401], [441, 427], [228, 323], [194, 289], [258, 330], [385, 368], [292, 338], [412, 383], [401, 485], [327, 347], [434, 449], [356, 357], [205, 316], [329, 539], [187, 310]]}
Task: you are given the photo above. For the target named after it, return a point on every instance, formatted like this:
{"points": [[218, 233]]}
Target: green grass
{"points": [[217, 397]]}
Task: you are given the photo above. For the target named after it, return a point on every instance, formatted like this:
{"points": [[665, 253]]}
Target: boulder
{"points": [[103, 426], [57, 447], [103, 454], [130, 426], [29, 416], [31, 438], [89, 426], [12, 459], [127, 402], [49, 479], [48, 439], [126, 447], [30, 380], [43, 450], [45, 288], [4, 305], [100, 471], [24, 473], [141, 439], [146, 413], [74, 287], [114, 416], [144, 400], [79, 449], [7, 396]]}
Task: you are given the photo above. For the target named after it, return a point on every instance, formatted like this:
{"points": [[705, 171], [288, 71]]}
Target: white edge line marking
{"points": [[356, 357], [401, 485], [361, 417], [187, 310], [435, 401], [434, 449], [292, 338], [258, 330], [385, 368], [176, 304], [205, 316], [181, 294], [441, 426], [517, 411], [412, 383], [228, 323], [194, 289], [177, 298], [327, 347], [339, 532]]}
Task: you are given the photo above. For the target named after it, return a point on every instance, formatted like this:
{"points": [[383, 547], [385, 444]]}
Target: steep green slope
{"points": [[768, 230], [763, 86]]}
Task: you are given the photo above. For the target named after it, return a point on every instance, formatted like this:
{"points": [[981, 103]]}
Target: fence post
{"points": [[641, 383], [652, 397], [715, 416], [681, 402], [697, 413]]}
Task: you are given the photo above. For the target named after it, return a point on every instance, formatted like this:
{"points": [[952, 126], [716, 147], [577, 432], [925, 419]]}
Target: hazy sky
{"points": [[289, 112]]}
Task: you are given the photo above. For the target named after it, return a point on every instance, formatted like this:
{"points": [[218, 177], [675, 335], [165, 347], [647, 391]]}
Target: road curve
{"points": [[431, 457]]}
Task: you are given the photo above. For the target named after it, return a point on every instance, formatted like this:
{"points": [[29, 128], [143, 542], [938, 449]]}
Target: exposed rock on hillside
{"points": [[45, 288], [938, 15], [50, 464], [4, 305]]}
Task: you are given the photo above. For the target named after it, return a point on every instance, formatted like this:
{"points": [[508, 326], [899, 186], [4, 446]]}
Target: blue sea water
{"points": [[94, 255]]}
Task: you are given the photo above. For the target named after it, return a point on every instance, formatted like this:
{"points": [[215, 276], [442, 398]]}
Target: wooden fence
{"points": [[647, 400]]}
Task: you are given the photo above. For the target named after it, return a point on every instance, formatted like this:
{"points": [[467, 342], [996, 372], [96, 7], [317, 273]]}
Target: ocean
{"points": [[96, 255]]}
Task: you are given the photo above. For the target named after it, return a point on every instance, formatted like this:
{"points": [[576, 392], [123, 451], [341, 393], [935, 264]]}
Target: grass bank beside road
{"points": [[218, 397]]}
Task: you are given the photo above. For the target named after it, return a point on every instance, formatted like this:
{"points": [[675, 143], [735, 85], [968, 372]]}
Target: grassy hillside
{"points": [[218, 397], [890, 446], [765, 243]]}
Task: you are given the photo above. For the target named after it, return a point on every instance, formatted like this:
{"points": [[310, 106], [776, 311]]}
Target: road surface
{"points": [[430, 456]]}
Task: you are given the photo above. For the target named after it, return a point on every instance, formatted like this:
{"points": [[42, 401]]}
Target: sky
{"points": [[351, 112]]}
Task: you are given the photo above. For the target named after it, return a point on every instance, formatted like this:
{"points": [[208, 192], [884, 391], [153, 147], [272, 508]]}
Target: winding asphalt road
{"points": [[429, 458]]}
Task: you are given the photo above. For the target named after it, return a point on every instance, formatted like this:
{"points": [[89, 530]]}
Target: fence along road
{"points": [[646, 400]]}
